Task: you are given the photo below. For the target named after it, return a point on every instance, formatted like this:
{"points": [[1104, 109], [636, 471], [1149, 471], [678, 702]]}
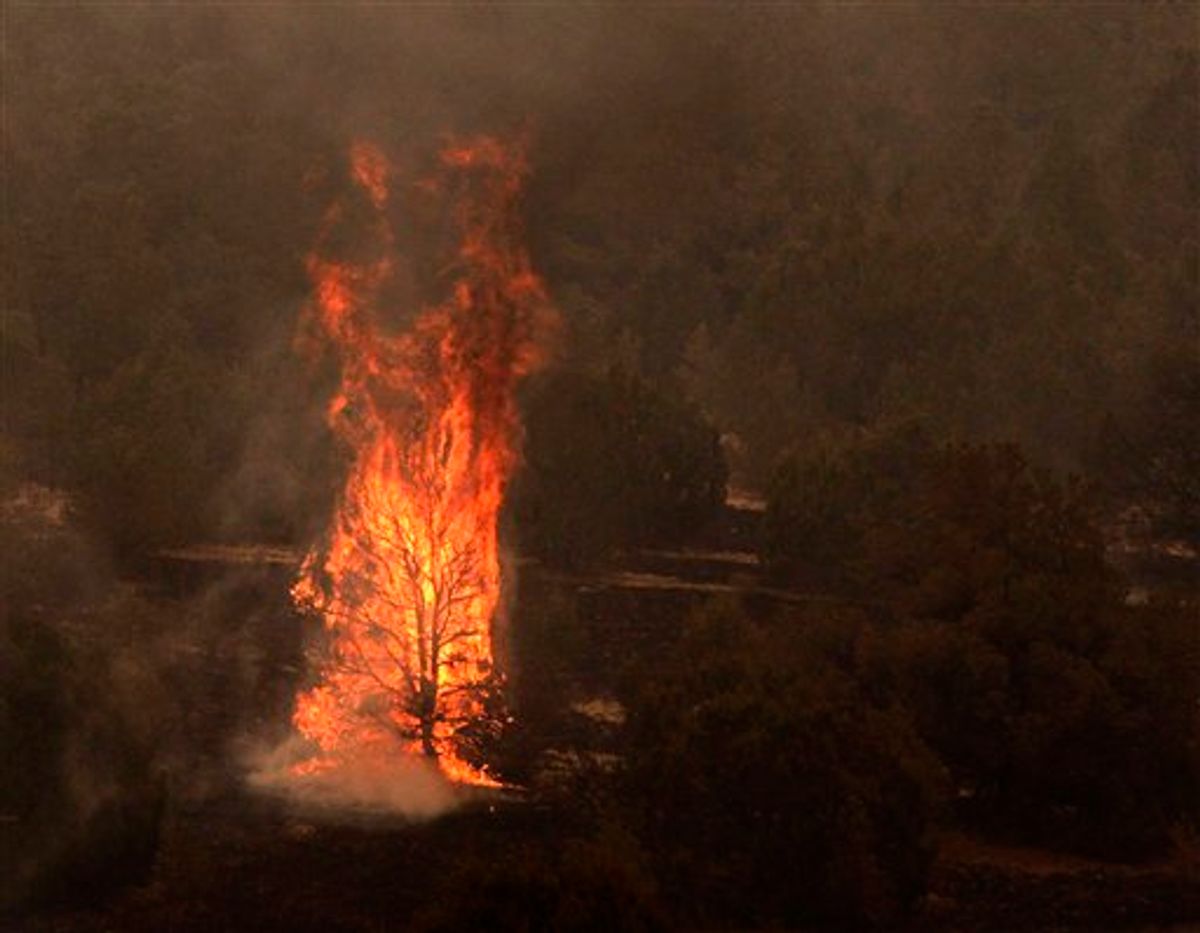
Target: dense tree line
{"points": [[798, 220]]}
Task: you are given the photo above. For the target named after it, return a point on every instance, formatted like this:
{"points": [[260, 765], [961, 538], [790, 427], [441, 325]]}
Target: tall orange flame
{"points": [[408, 582]]}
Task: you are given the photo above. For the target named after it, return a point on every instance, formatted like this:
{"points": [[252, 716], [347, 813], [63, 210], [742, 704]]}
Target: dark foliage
{"points": [[597, 884], [1002, 239], [80, 796], [611, 463], [1150, 457], [823, 498], [1063, 713], [768, 788]]}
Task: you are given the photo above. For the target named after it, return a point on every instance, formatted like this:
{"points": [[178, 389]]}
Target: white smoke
{"points": [[378, 780]]}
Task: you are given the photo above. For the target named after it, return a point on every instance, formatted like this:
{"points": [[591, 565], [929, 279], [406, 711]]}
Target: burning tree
{"points": [[399, 617], [408, 580]]}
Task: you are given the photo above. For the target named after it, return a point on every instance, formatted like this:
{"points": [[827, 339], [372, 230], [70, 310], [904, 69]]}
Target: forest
{"points": [[848, 562]]}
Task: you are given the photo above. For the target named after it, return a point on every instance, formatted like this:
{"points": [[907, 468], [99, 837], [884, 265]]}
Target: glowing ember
{"points": [[408, 581]]}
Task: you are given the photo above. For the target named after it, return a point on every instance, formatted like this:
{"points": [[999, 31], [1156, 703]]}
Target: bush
{"points": [[1065, 716], [141, 457], [979, 528], [767, 785], [823, 498], [610, 464]]}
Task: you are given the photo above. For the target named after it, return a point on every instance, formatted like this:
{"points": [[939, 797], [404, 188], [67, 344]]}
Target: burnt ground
{"points": [[232, 859]]}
